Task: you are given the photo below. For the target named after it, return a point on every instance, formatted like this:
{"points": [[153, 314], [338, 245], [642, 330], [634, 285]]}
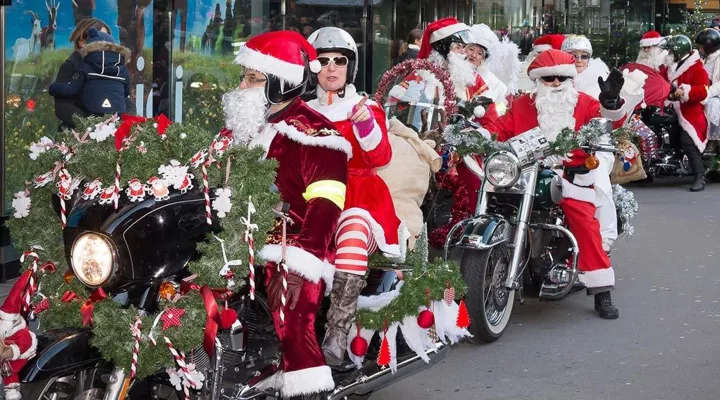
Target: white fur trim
{"points": [[578, 193], [298, 261], [7, 322], [650, 42], [686, 92], [307, 381], [541, 47], [371, 141], [484, 132], [315, 66], [558, 70], [328, 276], [598, 278], [688, 127], [479, 111], [442, 33], [30, 352], [267, 64], [392, 251], [587, 81], [16, 351], [331, 142], [674, 74], [614, 115], [584, 179], [375, 303]]}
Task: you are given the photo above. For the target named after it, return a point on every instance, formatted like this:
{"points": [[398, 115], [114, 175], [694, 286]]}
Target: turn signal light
{"points": [[167, 290], [592, 162]]}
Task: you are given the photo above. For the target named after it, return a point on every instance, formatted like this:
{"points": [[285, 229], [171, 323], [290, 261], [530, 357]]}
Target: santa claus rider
{"points": [[368, 222], [589, 71], [650, 61], [311, 177], [709, 41], [477, 53], [543, 43], [556, 105]]}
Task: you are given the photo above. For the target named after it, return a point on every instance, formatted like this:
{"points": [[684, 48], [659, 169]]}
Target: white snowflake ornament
{"points": [[103, 131], [176, 175], [40, 147], [175, 379], [222, 203], [196, 376], [21, 204]]}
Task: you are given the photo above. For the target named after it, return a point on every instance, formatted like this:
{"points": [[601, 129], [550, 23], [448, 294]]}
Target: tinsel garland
{"points": [[466, 142], [405, 68], [95, 159], [424, 276], [627, 207]]}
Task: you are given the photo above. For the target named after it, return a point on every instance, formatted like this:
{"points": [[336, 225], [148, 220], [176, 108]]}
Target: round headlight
{"points": [[501, 169], [92, 259]]}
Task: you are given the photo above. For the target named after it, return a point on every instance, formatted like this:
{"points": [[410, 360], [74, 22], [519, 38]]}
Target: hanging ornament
{"points": [[426, 318], [65, 193], [384, 358], [137, 334], [68, 276], [171, 317], [199, 158], [221, 143], [40, 147], [463, 318], [228, 316], [180, 361], [136, 190], [222, 203], [432, 333], [108, 195], [21, 204], [42, 180], [92, 189], [176, 175], [249, 228], [359, 345], [449, 294], [158, 188]]}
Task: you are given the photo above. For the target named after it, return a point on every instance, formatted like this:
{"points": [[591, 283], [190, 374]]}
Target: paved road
{"points": [[665, 346]]}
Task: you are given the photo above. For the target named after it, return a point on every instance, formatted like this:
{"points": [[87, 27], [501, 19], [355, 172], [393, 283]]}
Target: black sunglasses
{"points": [[551, 78], [340, 61]]}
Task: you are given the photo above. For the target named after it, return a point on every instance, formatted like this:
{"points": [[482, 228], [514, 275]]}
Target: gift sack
{"points": [[628, 164]]}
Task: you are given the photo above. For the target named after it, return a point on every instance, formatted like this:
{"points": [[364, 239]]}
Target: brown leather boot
{"points": [[343, 303]]}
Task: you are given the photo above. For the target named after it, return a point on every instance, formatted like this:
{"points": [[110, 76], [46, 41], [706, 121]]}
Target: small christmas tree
{"points": [[695, 20]]}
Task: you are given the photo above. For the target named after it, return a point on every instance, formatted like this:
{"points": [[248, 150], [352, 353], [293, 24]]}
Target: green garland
{"points": [[249, 176], [423, 275], [468, 141]]}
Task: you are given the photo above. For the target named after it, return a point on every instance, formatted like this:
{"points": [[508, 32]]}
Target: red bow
{"points": [[88, 305], [213, 314], [131, 120]]}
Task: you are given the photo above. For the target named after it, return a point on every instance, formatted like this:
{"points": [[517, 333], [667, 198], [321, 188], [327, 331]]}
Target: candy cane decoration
{"points": [[206, 188], [63, 212], [283, 265], [135, 328], [180, 361], [117, 183], [27, 293], [250, 227]]}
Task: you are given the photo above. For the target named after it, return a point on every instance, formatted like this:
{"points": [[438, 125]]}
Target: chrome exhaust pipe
{"points": [[385, 377]]}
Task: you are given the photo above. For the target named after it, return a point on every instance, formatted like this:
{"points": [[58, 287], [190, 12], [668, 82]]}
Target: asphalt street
{"points": [[665, 346]]}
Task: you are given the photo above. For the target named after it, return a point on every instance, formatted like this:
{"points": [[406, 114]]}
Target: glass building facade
{"points": [[182, 50]]}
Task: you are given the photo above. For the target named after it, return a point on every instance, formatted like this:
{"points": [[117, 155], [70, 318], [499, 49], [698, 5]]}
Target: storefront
{"points": [[182, 50]]}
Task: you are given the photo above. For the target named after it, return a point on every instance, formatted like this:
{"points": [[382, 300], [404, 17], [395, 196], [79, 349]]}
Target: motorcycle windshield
{"points": [[416, 103]]}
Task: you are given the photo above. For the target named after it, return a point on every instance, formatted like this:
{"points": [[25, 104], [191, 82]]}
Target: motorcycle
{"points": [[152, 243], [518, 243]]}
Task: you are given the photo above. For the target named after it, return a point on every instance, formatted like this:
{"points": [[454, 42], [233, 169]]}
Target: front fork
{"points": [[521, 232]]}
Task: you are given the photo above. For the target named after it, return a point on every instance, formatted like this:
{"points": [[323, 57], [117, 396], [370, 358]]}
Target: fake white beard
{"points": [[245, 113], [555, 107], [462, 73], [8, 326], [654, 59], [668, 60]]}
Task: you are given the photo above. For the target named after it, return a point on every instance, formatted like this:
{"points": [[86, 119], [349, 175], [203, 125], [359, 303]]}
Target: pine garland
{"points": [[249, 176]]}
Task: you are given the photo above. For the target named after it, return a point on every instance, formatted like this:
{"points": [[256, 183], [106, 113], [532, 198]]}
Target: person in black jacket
{"points": [[67, 107], [103, 81], [410, 49]]}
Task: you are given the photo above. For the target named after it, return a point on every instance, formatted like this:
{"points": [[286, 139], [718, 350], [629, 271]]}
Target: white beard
{"points": [[7, 326], [555, 107], [668, 60], [654, 59], [462, 74], [245, 113]]}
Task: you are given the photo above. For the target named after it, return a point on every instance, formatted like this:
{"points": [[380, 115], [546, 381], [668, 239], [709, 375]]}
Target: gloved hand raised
{"points": [[610, 89]]}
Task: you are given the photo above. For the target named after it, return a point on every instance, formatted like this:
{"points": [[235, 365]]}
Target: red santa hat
{"points": [[11, 318], [651, 38], [552, 62], [439, 30], [281, 53], [547, 42]]}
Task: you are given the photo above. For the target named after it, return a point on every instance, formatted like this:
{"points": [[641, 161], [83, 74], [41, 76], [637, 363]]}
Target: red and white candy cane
{"points": [[135, 328], [249, 228], [180, 361], [117, 184], [283, 268], [28, 291], [206, 189], [63, 212]]}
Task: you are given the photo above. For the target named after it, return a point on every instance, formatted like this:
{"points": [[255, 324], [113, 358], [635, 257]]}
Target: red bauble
{"points": [[228, 317], [359, 346], [426, 319]]}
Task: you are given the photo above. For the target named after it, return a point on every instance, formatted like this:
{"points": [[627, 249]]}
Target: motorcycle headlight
{"points": [[502, 170], [92, 259]]}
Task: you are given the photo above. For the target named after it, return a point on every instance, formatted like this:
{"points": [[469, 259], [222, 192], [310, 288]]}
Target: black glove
{"points": [[610, 90]]}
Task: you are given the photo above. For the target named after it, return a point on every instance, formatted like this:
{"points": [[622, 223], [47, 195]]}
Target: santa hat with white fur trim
{"points": [[547, 42], [439, 30], [283, 54], [552, 62], [651, 38]]}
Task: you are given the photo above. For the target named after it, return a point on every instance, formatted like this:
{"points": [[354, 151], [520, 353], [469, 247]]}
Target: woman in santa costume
{"points": [[545, 42], [690, 80], [368, 222], [18, 343], [266, 110], [557, 105]]}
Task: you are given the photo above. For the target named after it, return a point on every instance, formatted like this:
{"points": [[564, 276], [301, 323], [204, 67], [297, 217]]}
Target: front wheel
{"points": [[489, 303]]}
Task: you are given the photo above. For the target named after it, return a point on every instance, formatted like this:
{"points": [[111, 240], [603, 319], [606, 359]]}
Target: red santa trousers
{"points": [[16, 366], [593, 262], [303, 363]]}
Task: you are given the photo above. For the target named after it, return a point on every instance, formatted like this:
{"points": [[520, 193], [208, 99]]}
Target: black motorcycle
{"points": [[151, 243]]}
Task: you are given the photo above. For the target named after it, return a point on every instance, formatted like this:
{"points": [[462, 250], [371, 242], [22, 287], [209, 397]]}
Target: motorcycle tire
{"points": [[483, 278]]}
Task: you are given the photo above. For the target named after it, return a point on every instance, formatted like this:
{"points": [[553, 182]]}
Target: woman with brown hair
{"points": [[410, 49], [67, 107]]}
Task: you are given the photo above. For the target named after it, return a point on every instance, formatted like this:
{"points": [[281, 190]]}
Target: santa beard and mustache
{"points": [[246, 112], [462, 72], [555, 107], [655, 58]]}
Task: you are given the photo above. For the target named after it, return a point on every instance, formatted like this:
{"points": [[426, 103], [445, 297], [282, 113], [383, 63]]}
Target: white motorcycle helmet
{"points": [[332, 39]]}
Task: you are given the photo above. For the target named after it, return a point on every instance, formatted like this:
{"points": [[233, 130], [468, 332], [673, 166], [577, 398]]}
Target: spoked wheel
{"points": [[489, 303]]}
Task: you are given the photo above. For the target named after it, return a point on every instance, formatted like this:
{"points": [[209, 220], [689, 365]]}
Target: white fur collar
{"points": [[587, 81], [323, 97], [712, 57], [339, 109], [674, 73], [335, 142], [414, 47]]}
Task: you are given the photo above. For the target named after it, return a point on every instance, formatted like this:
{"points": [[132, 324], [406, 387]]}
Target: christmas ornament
{"points": [[65, 193], [249, 228], [463, 318], [426, 319], [221, 143], [141, 148], [206, 192], [108, 195], [176, 176], [137, 334], [40, 147], [432, 333], [222, 203], [180, 361], [171, 317], [43, 305], [92, 189], [116, 199], [68, 276], [359, 345], [186, 184], [627, 207], [42, 180], [136, 190], [449, 294], [592, 162], [103, 131], [21, 204], [199, 158], [384, 359], [228, 316], [158, 188], [225, 271], [30, 104]]}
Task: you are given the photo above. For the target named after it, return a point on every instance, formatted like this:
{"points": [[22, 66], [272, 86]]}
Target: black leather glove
{"points": [[610, 90]]}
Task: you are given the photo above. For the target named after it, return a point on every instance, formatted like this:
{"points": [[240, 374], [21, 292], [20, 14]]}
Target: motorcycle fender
{"points": [[65, 353], [484, 232]]}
